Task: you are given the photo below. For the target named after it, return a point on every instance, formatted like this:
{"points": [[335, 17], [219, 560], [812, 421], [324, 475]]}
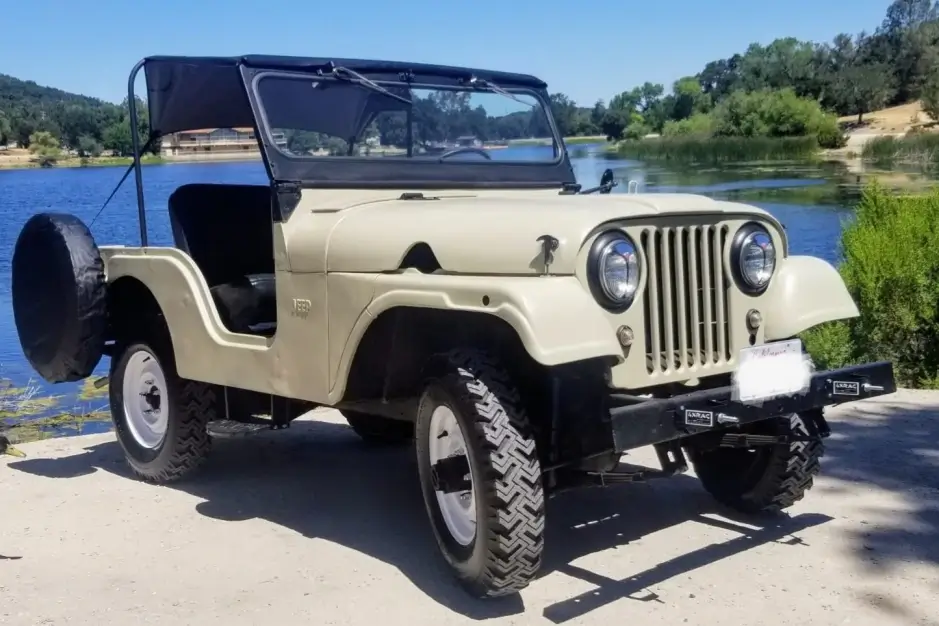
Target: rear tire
{"points": [[491, 534], [379, 430], [766, 479], [160, 419]]}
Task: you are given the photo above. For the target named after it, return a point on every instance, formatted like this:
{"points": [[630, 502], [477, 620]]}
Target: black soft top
{"points": [[186, 93]]}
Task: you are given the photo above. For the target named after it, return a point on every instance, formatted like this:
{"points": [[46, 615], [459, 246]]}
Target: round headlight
{"points": [[754, 256], [614, 269]]}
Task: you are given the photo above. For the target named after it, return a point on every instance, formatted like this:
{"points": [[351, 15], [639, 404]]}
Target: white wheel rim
{"points": [[145, 399], [457, 509]]}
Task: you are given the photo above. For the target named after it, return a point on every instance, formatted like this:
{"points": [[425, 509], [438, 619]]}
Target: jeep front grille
{"points": [[685, 299]]}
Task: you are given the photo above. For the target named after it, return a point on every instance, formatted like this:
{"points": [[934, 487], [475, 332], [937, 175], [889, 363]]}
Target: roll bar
{"points": [[135, 141]]}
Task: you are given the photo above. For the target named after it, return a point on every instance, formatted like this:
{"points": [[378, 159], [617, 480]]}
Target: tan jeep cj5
{"points": [[411, 267]]}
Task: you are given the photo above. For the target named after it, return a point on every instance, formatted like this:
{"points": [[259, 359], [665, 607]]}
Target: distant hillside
{"points": [[88, 125], [15, 92]]}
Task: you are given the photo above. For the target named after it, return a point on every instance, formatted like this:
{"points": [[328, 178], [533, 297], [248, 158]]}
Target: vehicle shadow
{"points": [[321, 481], [891, 446]]}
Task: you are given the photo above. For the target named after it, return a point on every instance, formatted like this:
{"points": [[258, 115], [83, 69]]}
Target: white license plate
{"points": [[771, 370]]}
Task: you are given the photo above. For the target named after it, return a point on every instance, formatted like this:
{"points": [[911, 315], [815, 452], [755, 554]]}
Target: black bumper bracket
{"points": [[714, 410]]}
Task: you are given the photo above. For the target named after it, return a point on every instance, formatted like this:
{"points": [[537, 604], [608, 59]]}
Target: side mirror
{"points": [[606, 181]]}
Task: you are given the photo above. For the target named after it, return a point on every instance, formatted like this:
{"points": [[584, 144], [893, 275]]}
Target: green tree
{"points": [[615, 122], [930, 95], [88, 146], [564, 111], [117, 139], [597, 113], [45, 146], [719, 78], [784, 63], [904, 43], [6, 129], [625, 101], [863, 87], [23, 130], [75, 122], [689, 98]]}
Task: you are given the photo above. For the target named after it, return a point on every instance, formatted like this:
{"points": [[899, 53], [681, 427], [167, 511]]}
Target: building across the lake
{"points": [[214, 141]]}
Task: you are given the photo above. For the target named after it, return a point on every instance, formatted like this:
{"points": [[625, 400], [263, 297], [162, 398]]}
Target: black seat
{"points": [[227, 231]]}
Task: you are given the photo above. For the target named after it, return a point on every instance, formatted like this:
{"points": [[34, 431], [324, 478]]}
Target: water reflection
{"points": [[825, 183]]}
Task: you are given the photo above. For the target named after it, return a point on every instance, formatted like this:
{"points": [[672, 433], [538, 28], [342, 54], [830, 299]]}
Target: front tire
{"points": [[160, 419], [765, 479], [491, 533]]}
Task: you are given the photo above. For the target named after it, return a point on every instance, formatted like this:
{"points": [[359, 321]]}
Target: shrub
{"points": [[829, 133], [891, 269], [776, 113], [930, 96], [698, 125]]}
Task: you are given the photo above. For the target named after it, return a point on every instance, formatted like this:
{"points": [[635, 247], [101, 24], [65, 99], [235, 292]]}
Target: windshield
{"points": [[346, 116]]}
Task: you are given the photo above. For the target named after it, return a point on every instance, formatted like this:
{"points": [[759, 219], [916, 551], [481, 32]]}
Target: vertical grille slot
{"points": [[685, 303]]}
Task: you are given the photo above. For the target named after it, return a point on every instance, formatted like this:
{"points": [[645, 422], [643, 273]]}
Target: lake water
{"points": [[812, 200]]}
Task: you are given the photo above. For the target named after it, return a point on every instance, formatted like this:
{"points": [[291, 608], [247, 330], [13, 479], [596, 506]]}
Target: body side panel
{"points": [[292, 363]]}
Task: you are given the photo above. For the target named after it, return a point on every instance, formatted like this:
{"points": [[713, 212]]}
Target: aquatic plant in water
{"points": [[26, 415], [720, 149], [17, 403]]}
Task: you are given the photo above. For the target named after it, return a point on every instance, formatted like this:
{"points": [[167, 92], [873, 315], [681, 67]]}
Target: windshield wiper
{"points": [[482, 82], [344, 73]]}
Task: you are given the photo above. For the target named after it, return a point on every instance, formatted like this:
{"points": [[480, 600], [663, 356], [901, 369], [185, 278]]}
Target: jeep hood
{"points": [[487, 232]]}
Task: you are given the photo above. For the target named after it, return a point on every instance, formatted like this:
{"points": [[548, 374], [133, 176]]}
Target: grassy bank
{"points": [[571, 141], [70, 162], [914, 148], [719, 149]]}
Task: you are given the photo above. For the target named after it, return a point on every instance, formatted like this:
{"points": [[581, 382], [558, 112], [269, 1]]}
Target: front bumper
{"points": [[714, 410]]}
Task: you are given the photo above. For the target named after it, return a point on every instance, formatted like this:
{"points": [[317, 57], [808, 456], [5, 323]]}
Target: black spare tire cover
{"points": [[59, 297]]}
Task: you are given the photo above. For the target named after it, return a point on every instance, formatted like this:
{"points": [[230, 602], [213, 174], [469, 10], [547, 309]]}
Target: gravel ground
{"points": [[308, 526]]}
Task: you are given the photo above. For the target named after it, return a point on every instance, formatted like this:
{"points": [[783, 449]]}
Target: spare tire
{"points": [[59, 297]]}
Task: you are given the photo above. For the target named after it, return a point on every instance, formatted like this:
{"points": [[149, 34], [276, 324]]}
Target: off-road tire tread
{"points": [[789, 474], [514, 494], [196, 405], [195, 408]]}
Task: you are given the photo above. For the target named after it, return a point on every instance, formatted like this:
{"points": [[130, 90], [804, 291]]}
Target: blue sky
{"points": [[588, 49]]}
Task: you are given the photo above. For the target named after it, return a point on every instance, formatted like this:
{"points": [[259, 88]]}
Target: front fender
{"points": [[807, 291], [555, 318]]}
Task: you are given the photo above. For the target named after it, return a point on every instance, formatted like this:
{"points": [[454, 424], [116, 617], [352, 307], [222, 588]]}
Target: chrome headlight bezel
{"points": [[744, 237], [600, 251]]}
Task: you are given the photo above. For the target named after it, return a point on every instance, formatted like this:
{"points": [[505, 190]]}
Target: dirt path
{"points": [[311, 527]]}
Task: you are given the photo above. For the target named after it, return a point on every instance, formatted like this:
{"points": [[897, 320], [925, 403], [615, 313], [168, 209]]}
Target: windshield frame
{"points": [[413, 172]]}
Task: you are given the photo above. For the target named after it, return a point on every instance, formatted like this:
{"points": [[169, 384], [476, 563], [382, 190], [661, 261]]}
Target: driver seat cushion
{"points": [[246, 302], [228, 232]]}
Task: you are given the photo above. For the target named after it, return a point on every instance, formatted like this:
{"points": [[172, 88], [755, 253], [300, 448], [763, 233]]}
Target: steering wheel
{"points": [[456, 151]]}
